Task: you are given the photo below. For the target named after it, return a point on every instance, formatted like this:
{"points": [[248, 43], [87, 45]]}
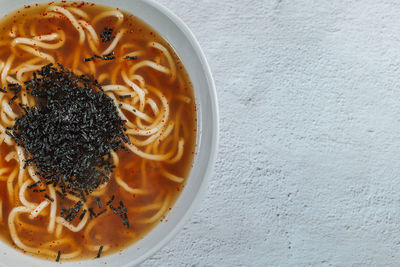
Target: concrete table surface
{"points": [[308, 167]]}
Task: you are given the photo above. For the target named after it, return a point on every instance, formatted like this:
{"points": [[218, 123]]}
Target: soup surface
{"points": [[152, 94]]}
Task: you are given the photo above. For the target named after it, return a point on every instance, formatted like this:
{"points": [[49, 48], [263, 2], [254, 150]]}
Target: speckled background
{"points": [[308, 167]]}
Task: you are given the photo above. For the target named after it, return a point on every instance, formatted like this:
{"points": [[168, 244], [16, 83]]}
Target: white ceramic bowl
{"points": [[188, 49]]}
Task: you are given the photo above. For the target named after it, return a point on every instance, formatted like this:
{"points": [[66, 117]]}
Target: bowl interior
{"points": [[184, 43]]}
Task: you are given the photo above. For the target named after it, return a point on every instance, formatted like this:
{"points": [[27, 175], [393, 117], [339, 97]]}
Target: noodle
{"points": [[8, 110], [28, 68], [154, 137], [59, 229], [169, 58], [171, 176], [79, 12], [10, 184], [6, 69], [105, 14], [178, 156], [150, 64], [39, 209], [34, 42], [53, 209], [22, 198], [37, 53], [72, 227], [19, 243], [32, 174], [32, 61], [114, 42], [159, 213], [21, 160], [72, 19], [7, 138]]}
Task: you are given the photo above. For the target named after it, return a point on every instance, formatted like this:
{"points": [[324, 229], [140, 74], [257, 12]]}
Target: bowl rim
{"points": [[200, 194]]}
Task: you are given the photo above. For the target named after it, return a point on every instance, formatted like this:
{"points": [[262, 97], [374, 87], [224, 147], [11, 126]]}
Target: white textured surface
{"points": [[308, 169]]}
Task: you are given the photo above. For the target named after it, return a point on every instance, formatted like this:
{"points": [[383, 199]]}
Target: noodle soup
{"points": [[69, 192]]}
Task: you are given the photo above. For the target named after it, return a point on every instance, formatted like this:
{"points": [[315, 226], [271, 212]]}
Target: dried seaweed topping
{"points": [[70, 132]]}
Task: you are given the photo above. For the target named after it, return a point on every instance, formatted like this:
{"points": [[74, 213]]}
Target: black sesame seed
{"points": [[38, 190], [48, 197], [12, 99], [75, 210], [98, 201], [131, 58], [60, 194], [114, 210], [125, 149], [58, 256], [101, 212], [82, 215], [27, 162], [92, 214], [123, 207], [34, 185], [88, 59], [64, 211], [99, 253], [108, 58], [126, 221], [111, 200], [83, 197]]}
